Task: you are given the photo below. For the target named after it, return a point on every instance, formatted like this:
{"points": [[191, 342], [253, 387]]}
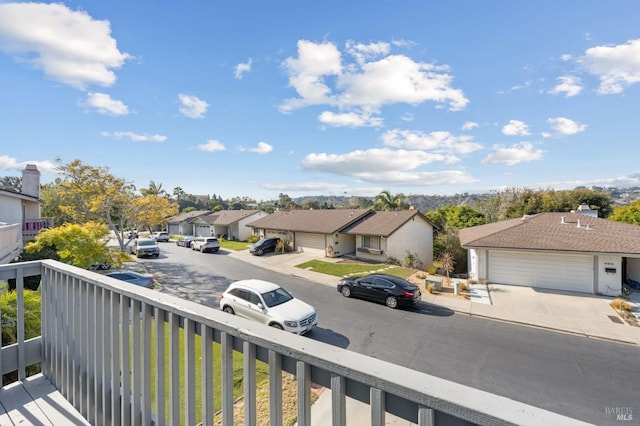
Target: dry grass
{"points": [[289, 405], [620, 305]]}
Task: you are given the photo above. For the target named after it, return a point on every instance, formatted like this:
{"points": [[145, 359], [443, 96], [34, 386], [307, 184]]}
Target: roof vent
{"points": [[589, 227], [578, 224], [562, 222]]}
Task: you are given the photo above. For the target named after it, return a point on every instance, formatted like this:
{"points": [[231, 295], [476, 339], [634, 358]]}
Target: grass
{"points": [[234, 245], [348, 268]]}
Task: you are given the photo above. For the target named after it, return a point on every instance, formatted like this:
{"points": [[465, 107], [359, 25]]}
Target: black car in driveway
{"points": [[388, 289], [263, 246]]}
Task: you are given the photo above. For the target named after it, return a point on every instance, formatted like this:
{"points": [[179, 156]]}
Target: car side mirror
{"points": [[261, 306]]}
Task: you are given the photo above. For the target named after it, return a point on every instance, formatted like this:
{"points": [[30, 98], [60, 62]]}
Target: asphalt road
{"points": [[575, 376]]}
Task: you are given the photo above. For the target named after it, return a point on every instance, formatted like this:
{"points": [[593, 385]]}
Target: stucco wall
{"points": [[11, 210], [415, 236], [609, 275]]}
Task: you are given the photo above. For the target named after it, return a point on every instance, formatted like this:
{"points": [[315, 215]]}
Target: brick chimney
{"points": [[31, 181]]}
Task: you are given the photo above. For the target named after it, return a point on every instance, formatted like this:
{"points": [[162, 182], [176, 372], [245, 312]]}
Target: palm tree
{"points": [[447, 263], [153, 190], [386, 201]]}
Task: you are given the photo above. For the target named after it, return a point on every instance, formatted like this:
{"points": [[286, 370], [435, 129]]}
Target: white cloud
{"points": [[616, 66], [516, 128], [192, 106], [10, 163], [469, 125], [135, 137], [518, 153], [211, 146], [385, 165], [350, 119], [69, 46], [318, 187], [407, 116], [565, 126], [438, 142], [104, 104], [569, 86], [376, 78], [262, 148], [242, 69]]}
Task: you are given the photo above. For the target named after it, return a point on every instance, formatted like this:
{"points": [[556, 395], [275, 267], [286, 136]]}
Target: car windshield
{"points": [[145, 243], [276, 297]]}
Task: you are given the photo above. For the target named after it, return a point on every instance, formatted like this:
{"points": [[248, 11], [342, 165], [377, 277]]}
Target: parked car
{"points": [[160, 237], [100, 266], [269, 304], [205, 244], [185, 241], [144, 280], [265, 245], [388, 289], [145, 247], [130, 235]]}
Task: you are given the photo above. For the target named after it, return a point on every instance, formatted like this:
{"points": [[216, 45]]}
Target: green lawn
{"points": [[234, 245], [342, 269]]}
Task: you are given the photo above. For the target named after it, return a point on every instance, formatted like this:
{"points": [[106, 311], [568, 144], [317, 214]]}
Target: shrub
{"points": [[430, 288], [253, 239], [433, 269], [464, 287], [392, 261], [620, 305]]}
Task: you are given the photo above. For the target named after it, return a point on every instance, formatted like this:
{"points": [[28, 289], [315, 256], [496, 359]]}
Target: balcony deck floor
{"points": [[35, 401]]}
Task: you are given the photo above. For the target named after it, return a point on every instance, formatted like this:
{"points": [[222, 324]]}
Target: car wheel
{"points": [[260, 252], [346, 291], [137, 254], [201, 249], [229, 310], [276, 325], [158, 255], [215, 250], [391, 302]]}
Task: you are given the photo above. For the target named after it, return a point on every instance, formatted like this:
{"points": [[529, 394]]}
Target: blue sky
{"points": [[255, 98]]}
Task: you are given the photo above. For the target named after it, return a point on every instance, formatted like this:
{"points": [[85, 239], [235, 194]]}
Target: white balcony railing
{"points": [[10, 242], [113, 351]]}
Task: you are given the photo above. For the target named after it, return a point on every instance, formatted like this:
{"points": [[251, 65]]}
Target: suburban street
{"points": [[568, 374]]}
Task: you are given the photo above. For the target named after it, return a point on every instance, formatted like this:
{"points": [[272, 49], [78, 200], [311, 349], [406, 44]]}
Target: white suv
{"points": [[269, 304], [205, 244]]}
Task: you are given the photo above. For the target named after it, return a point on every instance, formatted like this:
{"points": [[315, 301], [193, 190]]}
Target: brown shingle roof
{"points": [[227, 217], [183, 217], [383, 223], [546, 231], [314, 221]]}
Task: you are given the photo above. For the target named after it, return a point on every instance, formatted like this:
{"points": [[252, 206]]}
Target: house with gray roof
{"points": [[231, 224], [182, 224], [362, 233], [560, 251]]}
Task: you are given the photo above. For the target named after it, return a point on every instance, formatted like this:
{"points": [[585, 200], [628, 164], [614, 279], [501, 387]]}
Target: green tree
{"points": [[627, 214], [11, 183], [94, 194], [386, 201], [81, 245], [449, 220]]}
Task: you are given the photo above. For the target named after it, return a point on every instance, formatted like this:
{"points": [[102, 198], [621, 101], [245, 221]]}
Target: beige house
{"points": [[574, 251], [20, 218], [230, 224], [362, 233]]}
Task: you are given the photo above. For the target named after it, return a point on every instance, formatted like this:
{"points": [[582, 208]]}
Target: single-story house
{"points": [[232, 224], [20, 219], [560, 251], [182, 224], [363, 233]]}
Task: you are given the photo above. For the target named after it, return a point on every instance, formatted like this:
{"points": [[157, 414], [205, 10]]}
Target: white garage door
{"points": [[203, 231], [554, 271], [310, 243]]}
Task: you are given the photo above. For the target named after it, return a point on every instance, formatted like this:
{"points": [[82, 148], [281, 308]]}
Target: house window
{"points": [[371, 242]]}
